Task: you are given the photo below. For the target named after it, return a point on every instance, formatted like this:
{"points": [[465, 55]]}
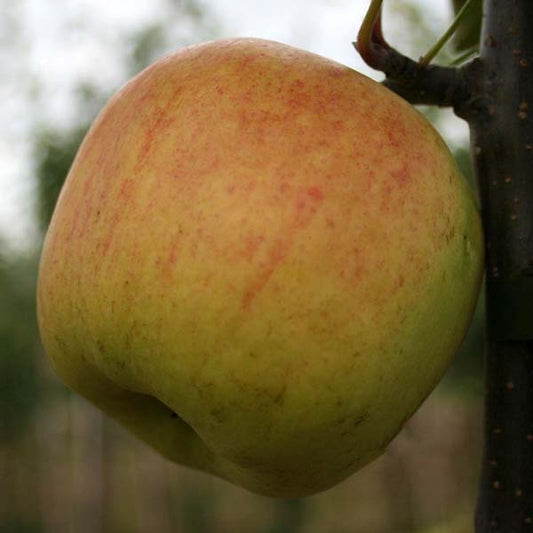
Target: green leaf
{"points": [[468, 33]]}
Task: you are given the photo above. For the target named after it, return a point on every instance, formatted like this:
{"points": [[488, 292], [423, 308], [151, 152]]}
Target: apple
{"points": [[261, 263]]}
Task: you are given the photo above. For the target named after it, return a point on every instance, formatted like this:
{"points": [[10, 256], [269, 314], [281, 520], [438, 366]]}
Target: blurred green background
{"points": [[64, 467]]}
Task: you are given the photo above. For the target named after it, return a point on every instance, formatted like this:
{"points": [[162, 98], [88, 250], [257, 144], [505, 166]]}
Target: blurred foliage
{"points": [[20, 381], [411, 20], [55, 151], [423, 33], [186, 21], [145, 44], [468, 33], [414, 21]]}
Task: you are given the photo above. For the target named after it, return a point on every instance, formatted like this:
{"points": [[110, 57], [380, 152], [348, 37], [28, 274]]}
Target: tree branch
{"points": [[416, 83]]}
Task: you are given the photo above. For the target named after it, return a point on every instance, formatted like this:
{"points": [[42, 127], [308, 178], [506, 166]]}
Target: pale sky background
{"points": [[51, 44]]}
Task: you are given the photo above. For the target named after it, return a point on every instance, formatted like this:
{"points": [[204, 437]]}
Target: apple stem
{"points": [[370, 39]]}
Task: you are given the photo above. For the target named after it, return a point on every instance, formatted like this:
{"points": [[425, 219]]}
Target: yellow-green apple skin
{"points": [[261, 263]]}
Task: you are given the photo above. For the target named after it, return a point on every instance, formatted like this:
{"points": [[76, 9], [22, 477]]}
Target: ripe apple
{"points": [[261, 263]]}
